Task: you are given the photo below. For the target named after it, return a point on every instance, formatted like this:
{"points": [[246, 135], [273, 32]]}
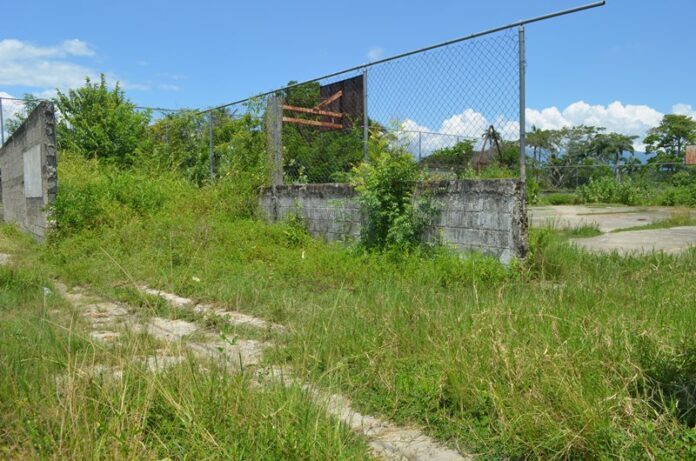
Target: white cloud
{"points": [[684, 109], [16, 50], [628, 119], [375, 53], [49, 67], [469, 124], [546, 119]]}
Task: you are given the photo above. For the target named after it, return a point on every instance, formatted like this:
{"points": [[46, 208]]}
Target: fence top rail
{"points": [[37, 100], [607, 165], [419, 50]]}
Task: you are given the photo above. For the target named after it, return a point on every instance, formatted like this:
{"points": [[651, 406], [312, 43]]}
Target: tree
{"points": [[14, 122], [669, 139], [610, 147], [537, 140], [458, 155], [100, 123], [569, 148]]}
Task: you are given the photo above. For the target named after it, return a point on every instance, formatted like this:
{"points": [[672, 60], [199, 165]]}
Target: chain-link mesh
{"points": [[454, 107], [570, 177], [13, 112]]}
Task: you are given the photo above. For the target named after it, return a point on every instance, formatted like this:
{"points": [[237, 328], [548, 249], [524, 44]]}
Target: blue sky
{"points": [[621, 66]]}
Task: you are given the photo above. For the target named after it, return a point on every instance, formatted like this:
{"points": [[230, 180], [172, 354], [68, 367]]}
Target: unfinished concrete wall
{"points": [[329, 210], [29, 178], [488, 215]]}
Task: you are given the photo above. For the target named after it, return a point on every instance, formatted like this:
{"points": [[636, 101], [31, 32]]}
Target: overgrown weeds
{"points": [[542, 359]]}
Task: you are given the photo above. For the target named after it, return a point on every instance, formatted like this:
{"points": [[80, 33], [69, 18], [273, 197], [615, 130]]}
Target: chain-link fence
{"points": [[456, 107], [450, 106], [570, 177], [13, 111]]}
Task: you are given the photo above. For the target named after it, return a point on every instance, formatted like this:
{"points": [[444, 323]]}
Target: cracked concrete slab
{"points": [[168, 329], [386, 440], [102, 313], [232, 317], [105, 336], [241, 352], [672, 241], [606, 218]]}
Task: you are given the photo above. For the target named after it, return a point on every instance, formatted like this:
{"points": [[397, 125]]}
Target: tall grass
{"points": [[59, 397], [565, 356]]}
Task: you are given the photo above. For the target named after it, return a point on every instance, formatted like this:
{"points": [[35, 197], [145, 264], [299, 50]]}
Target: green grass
{"points": [[568, 355], [52, 407], [676, 220], [582, 231]]}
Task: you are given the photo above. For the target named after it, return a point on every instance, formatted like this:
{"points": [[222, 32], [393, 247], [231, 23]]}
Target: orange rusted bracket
{"points": [[302, 121], [316, 110], [306, 110], [329, 100]]}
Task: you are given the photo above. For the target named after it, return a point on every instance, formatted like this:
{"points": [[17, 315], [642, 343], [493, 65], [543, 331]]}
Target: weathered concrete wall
{"points": [[29, 178], [484, 215], [488, 216], [329, 210]]}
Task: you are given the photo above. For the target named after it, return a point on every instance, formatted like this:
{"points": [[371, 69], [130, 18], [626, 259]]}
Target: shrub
{"points": [[100, 123], [385, 189], [607, 190], [677, 195], [92, 195], [459, 154], [560, 198]]}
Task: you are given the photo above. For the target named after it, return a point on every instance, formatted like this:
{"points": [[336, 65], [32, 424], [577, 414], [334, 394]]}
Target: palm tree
{"points": [[612, 146], [540, 140]]}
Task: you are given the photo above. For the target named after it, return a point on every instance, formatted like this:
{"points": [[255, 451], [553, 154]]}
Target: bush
{"points": [[677, 195], [559, 198], [385, 189], [100, 123], [93, 195], [607, 190], [458, 155]]}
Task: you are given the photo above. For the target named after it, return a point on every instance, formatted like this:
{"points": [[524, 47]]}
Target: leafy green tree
{"points": [[97, 122], [539, 140], [14, 122], [570, 148], [180, 141], [669, 139], [611, 147], [458, 155], [385, 187]]}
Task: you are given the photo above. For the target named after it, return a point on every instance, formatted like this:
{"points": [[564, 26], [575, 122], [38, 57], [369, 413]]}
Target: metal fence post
{"points": [[523, 103], [419, 145], [274, 137], [211, 152], [366, 130], [2, 124]]}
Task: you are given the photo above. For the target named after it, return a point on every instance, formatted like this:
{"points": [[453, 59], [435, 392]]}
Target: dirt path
{"points": [[109, 321]]}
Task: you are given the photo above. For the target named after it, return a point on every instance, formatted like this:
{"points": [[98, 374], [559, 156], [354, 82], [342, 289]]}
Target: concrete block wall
{"points": [[484, 215], [487, 216], [329, 210], [28, 168]]}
